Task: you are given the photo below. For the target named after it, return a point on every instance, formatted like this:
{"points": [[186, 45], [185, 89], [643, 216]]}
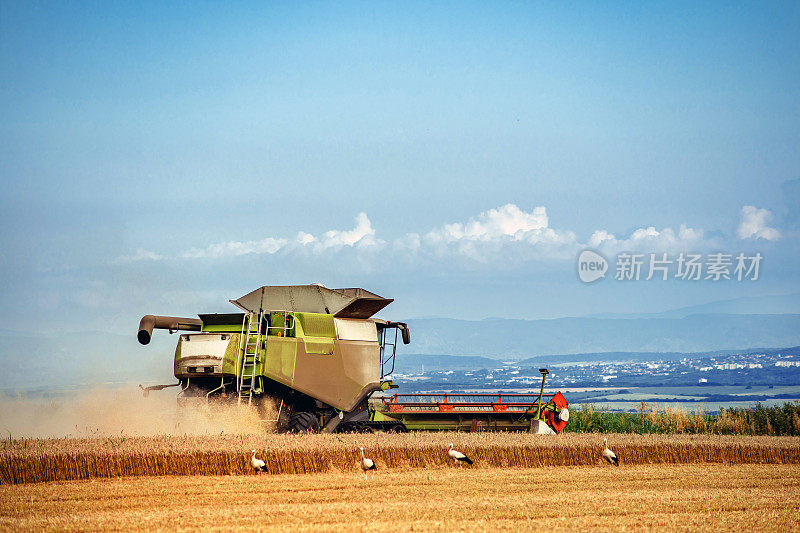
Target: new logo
{"points": [[591, 266]]}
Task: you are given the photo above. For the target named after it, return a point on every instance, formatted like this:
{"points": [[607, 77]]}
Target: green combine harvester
{"points": [[319, 356]]}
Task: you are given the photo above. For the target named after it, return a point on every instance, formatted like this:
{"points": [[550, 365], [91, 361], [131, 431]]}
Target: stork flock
{"points": [[458, 458]]}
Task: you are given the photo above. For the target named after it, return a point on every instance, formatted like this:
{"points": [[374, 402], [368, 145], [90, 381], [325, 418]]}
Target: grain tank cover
{"points": [[364, 303], [343, 303]]}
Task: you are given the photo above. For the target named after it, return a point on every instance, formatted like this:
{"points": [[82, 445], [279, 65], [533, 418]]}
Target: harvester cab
{"points": [[314, 352]]}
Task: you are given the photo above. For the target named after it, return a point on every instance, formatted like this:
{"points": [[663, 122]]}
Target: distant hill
{"points": [[600, 356], [647, 356], [518, 339], [748, 305], [415, 363]]}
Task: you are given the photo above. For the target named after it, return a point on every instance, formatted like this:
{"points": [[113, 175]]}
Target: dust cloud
{"points": [[103, 412]]}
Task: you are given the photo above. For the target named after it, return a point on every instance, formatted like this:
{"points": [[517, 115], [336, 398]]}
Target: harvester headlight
{"points": [[564, 415]]}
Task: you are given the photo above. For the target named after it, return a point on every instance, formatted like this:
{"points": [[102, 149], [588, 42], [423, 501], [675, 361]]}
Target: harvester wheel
{"points": [[398, 428], [303, 422]]}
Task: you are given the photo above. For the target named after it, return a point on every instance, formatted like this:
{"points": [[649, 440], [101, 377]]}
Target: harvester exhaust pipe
{"points": [[172, 323]]}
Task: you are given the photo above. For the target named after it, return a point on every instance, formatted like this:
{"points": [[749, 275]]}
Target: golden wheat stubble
{"points": [[715, 497]]}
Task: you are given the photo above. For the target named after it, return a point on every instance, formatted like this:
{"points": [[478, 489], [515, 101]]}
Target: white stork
{"points": [[458, 457], [257, 463], [367, 464], [608, 455]]}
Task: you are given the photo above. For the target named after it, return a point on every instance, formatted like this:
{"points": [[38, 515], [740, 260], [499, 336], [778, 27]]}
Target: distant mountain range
{"points": [[748, 305], [416, 363], [518, 339], [647, 356]]}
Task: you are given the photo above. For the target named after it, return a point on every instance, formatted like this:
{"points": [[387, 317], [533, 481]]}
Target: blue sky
{"points": [[163, 159]]}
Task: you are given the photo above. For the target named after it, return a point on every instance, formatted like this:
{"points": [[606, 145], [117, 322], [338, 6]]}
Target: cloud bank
{"points": [[504, 234], [362, 235], [234, 248]]}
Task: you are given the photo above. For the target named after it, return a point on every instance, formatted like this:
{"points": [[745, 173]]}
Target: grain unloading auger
{"points": [[315, 352]]}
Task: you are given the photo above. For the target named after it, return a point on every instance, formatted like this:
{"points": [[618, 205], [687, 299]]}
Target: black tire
{"points": [[398, 428], [303, 422], [364, 428], [347, 427]]}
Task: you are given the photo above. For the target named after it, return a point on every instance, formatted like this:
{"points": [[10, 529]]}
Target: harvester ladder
{"points": [[249, 345]]}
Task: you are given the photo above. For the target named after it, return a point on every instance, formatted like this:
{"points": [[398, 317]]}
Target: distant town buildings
{"points": [[733, 368]]}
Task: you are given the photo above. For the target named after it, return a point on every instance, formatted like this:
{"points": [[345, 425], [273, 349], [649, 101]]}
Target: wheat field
{"points": [[665, 497], [42, 460]]}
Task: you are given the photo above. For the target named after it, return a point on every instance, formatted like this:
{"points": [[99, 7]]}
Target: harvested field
{"points": [[39, 460], [708, 497]]}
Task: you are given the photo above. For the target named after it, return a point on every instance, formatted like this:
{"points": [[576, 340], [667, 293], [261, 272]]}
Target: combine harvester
{"points": [[318, 355]]}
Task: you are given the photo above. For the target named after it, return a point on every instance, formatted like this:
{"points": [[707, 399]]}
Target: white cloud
{"points": [[506, 233], [508, 221], [362, 235], [599, 237], [305, 238], [650, 239], [236, 248], [408, 242], [488, 230], [753, 224], [140, 255]]}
